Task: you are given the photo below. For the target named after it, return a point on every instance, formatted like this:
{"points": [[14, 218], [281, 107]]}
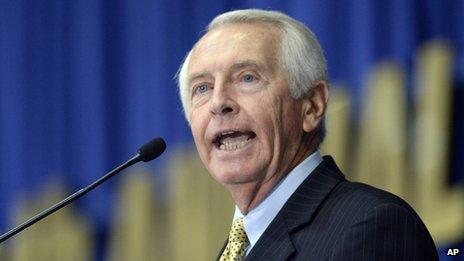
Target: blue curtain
{"points": [[84, 83]]}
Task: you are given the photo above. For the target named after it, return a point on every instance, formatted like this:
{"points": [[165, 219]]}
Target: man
{"points": [[254, 90]]}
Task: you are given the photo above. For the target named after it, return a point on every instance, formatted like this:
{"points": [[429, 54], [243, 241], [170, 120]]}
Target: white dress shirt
{"points": [[259, 218]]}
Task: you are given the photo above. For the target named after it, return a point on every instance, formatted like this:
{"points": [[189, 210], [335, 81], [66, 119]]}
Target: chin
{"points": [[231, 177]]}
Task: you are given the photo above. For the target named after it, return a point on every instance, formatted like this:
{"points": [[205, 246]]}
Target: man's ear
{"points": [[314, 105]]}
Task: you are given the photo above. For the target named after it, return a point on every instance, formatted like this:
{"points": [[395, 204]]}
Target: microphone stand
{"points": [[69, 199]]}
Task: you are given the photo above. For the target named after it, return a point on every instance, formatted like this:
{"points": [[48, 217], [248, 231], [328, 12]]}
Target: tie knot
{"points": [[237, 232]]}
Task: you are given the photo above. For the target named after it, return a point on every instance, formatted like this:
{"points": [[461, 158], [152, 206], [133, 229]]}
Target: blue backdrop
{"points": [[84, 83]]}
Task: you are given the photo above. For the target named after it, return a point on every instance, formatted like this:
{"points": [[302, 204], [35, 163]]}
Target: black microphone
{"points": [[147, 152]]}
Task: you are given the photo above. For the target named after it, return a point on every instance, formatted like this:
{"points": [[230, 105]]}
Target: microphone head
{"points": [[152, 149]]}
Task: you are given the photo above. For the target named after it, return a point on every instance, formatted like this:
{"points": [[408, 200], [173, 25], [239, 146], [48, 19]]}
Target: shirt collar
{"points": [[259, 218]]}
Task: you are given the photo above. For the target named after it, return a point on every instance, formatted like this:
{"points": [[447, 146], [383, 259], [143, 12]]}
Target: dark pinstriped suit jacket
{"points": [[330, 218]]}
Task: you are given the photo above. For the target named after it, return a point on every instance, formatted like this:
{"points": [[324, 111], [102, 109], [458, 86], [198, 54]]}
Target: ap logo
{"points": [[452, 252]]}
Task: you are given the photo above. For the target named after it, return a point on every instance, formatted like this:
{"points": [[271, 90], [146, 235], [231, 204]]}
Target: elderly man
{"points": [[254, 90]]}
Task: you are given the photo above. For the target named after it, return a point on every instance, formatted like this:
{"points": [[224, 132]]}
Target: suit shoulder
{"points": [[370, 198], [379, 225]]}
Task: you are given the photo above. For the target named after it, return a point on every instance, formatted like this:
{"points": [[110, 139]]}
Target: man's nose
{"points": [[223, 102]]}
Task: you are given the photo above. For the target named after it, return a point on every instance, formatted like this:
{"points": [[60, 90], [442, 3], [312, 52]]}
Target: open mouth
{"points": [[233, 140]]}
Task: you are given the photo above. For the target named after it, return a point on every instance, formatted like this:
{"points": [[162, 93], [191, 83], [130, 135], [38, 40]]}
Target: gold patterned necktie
{"points": [[237, 243]]}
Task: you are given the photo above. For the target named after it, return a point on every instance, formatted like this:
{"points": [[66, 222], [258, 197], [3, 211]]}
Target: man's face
{"points": [[246, 126]]}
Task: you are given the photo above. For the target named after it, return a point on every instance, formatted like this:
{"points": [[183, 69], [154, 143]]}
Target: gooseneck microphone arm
{"points": [[146, 153]]}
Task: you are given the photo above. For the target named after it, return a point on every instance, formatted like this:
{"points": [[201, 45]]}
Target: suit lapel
{"points": [[275, 243]]}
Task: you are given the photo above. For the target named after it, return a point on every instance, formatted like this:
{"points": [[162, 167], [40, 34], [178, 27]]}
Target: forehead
{"points": [[228, 44]]}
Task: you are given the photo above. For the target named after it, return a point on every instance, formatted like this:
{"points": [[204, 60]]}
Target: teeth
{"points": [[233, 145], [227, 132]]}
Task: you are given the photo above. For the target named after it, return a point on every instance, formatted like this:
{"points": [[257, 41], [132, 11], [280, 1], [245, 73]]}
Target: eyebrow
{"points": [[198, 75], [236, 66], [245, 63]]}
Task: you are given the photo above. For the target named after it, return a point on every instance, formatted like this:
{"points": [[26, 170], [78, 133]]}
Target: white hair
{"points": [[301, 55]]}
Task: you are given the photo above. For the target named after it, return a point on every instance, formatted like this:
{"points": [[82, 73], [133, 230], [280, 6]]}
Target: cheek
{"points": [[268, 129], [292, 124], [286, 120], [267, 116], [198, 137], [197, 127]]}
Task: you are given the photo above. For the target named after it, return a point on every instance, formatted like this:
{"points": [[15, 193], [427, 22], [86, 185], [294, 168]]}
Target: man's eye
{"points": [[201, 89], [249, 78]]}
